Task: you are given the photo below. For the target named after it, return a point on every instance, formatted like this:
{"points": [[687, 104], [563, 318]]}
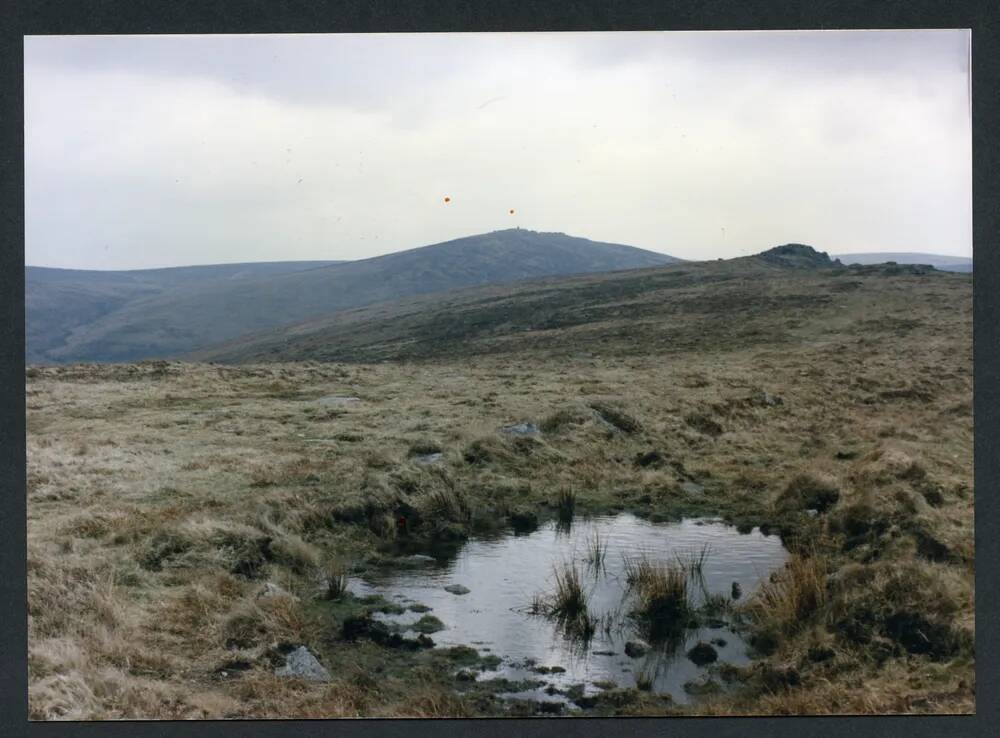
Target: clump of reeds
{"points": [[570, 598], [659, 589], [568, 603], [566, 504], [336, 582], [445, 503]]}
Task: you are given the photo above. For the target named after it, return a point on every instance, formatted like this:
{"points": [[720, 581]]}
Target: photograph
{"points": [[499, 374]]}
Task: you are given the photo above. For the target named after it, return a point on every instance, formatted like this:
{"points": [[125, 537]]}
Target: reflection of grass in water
{"points": [[661, 600], [645, 675], [597, 551], [564, 527], [566, 504], [577, 632], [612, 623]]}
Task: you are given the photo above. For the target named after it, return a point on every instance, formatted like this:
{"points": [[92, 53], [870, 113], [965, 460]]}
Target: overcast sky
{"points": [[147, 151]]}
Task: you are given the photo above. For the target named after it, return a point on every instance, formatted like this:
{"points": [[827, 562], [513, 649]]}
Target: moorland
{"points": [[193, 521]]}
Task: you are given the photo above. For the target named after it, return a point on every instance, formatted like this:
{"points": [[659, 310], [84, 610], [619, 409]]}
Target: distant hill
{"points": [[127, 316], [938, 261], [787, 293]]}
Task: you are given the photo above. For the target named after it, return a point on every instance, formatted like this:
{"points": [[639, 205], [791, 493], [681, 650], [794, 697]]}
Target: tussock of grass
{"points": [[424, 448], [377, 459], [444, 503], [559, 420], [336, 582], [480, 452], [246, 551], [568, 603], [263, 477], [788, 601], [809, 492], [569, 599], [617, 417], [913, 605], [704, 424], [659, 591], [299, 556], [442, 512], [165, 546], [244, 628]]}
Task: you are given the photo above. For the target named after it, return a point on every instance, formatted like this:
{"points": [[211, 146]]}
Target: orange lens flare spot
{"points": [[447, 199]]}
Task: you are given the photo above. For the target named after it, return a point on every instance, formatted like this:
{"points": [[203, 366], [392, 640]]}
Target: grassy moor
{"points": [[204, 530]]}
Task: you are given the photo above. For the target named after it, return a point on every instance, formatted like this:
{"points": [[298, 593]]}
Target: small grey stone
{"points": [[702, 685], [271, 589], [335, 400], [520, 429], [770, 400], [428, 458], [457, 589], [636, 648], [302, 664]]}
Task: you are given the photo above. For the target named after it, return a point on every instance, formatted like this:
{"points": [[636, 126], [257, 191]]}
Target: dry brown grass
{"points": [[434, 703], [789, 600], [146, 548]]}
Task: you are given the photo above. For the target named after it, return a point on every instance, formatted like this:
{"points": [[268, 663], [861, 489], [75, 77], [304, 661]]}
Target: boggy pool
{"points": [[504, 575]]}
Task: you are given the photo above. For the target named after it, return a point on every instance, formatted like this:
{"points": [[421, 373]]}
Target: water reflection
{"points": [[507, 574]]}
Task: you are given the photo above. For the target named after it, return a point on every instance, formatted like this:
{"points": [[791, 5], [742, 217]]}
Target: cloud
{"points": [[154, 151]]}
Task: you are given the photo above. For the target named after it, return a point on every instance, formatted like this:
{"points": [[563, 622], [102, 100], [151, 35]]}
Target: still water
{"points": [[504, 574]]}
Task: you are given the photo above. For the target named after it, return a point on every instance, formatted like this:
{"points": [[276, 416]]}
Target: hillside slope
{"points": [[788, 293], [200, 315], [59, 301]]}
